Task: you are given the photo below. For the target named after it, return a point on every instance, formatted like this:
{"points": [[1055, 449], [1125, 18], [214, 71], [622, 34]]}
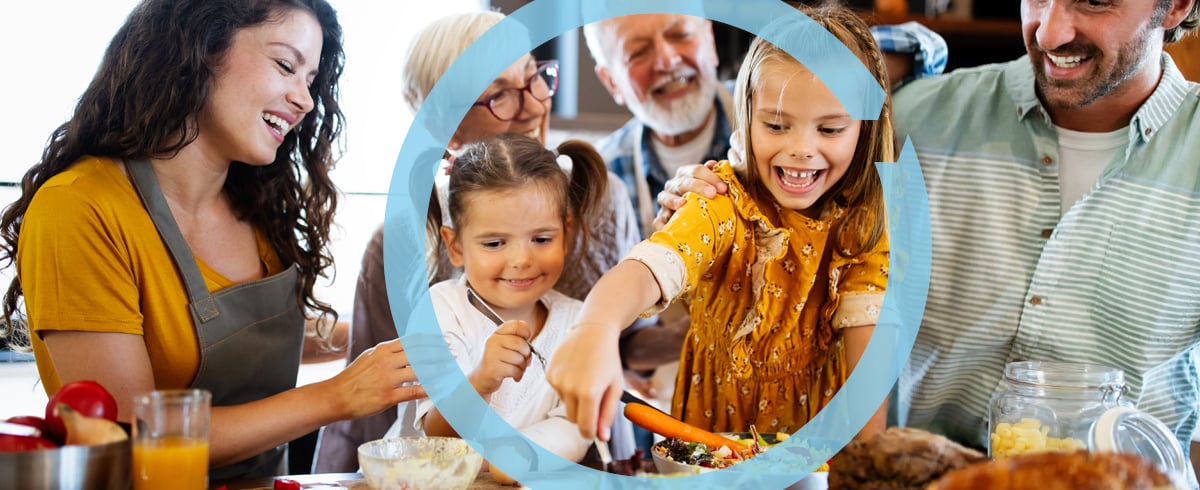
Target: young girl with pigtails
{"points": [[514, 207]]}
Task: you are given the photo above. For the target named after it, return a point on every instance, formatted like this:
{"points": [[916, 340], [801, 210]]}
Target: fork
{"points": [[605, 456], [486, 309]]}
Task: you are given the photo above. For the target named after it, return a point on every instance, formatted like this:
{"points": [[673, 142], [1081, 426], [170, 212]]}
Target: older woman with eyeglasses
{"points": [[517, 101]]}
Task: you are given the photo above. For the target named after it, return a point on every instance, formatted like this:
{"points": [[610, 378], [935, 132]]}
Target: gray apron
{"points": [[251, 334]]}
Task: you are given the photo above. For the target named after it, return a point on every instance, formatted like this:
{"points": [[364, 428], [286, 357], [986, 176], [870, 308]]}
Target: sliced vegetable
{"points": [[660, 423]]}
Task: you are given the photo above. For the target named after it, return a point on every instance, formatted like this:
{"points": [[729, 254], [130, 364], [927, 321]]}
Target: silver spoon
{"points": [[483, 307]]}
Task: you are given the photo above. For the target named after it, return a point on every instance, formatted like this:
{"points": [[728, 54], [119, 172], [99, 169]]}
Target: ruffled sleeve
{"points": [[857, 286]]}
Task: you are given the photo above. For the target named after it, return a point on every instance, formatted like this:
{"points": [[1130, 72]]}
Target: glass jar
{"points": [[1049, 406], [1058, 406]]}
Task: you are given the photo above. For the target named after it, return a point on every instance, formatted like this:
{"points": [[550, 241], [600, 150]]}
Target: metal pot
{"points": [[105, 466]]}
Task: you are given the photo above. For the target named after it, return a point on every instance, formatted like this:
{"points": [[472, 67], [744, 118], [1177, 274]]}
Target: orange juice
{"points": [[170, 462]]}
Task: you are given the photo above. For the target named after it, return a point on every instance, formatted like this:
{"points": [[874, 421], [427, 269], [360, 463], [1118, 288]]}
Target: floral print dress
{"points": [[767, 296]]}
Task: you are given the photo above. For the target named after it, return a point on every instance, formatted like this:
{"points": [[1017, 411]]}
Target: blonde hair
{"points": [[436, 47], [859, 190]]}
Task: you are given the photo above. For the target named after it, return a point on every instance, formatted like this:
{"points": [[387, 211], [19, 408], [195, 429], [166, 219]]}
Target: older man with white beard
{"points": [[663, 67]]}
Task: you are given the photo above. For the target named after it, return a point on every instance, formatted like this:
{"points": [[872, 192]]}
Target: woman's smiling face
{"points": [[260, 90]]}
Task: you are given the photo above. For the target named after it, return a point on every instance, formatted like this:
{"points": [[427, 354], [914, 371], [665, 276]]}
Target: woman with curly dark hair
{"points": [[172, 232]]}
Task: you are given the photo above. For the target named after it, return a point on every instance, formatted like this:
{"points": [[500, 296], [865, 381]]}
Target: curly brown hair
{"points": [[155, 77]]}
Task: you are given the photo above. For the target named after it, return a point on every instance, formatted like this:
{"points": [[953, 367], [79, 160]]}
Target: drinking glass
{"points": [[170, 439]]}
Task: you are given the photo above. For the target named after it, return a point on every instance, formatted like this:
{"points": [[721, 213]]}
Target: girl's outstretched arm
{"points": [[585, 370]]}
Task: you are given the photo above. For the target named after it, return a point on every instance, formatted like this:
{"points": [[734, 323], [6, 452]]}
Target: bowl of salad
{"points": [[674, 456]]}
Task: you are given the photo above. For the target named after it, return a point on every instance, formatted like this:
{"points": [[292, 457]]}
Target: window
{"points": [[61, 42]]}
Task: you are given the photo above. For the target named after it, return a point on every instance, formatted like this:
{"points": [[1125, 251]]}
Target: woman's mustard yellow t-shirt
{"points": [[90, 259], [768, 297]]}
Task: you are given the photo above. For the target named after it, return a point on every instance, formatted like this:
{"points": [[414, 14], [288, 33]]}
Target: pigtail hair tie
{"points": [[565, 163]]}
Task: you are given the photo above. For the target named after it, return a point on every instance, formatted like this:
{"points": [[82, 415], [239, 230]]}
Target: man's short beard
{"points": [[1127, 62], [678, 116]]}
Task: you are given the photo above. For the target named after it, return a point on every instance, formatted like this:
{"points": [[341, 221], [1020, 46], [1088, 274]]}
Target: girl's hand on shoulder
{"points": [[379, 378], [505, 355], [691, 178], [586, 372]]}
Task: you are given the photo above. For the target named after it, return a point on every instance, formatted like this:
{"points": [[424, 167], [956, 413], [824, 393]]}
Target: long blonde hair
{"points": [[859, 190]]}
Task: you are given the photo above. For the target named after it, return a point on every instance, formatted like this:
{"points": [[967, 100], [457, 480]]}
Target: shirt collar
{"points": [[1019, 79], [1153, 114], [1166, 99]]}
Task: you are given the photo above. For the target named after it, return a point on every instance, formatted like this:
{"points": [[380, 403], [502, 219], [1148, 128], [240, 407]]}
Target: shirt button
{"points": [[1047, 161], [1046, 233], [1035, 300], [1148, 131]]}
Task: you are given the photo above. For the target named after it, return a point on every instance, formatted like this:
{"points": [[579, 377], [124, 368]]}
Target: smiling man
{"points": [[663, 68], [1064, 190], [1064, 194]]}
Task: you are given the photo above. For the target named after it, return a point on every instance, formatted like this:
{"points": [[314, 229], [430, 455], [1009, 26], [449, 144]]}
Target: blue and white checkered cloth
{"points": [[927, 47]]}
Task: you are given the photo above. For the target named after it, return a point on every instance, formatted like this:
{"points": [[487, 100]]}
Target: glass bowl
{"points": [[419, 462]]}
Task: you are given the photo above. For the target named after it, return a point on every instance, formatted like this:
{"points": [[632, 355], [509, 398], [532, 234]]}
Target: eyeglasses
{"points": [[506, 104]]}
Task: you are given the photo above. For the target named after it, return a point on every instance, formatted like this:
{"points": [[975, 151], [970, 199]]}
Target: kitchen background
{"points": [[61, 42]]}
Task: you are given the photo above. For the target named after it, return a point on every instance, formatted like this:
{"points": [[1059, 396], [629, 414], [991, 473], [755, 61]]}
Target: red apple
{"points": [[10, 443], [29, 421], [86, 397]]}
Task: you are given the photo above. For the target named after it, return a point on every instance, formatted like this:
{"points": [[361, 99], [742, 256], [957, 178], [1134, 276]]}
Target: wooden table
{"points": [[354, 481], [331, 481]]}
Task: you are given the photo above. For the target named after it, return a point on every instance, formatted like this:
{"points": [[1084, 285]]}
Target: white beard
{"points": [[677, 116]]}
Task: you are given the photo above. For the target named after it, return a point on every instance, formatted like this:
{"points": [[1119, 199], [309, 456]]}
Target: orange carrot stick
{"points": [[660, 423]]}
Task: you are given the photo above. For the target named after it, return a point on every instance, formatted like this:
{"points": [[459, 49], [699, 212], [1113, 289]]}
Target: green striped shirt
{"points": [[1114, 281]]}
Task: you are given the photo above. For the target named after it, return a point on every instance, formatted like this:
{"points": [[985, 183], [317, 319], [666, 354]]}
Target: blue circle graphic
{"points": [[405, 245]]}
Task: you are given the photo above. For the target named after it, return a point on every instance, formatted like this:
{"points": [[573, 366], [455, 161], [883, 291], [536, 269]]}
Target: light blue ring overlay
{"points": [[406, 275]]}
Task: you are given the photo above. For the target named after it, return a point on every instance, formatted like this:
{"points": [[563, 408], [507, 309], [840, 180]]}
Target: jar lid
{"points": [[1126, 429], [1058, 374]]}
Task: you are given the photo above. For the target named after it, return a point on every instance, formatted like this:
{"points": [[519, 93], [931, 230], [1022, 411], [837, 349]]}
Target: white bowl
{"points": [[419, 463], [669, 467], [815, 481]]}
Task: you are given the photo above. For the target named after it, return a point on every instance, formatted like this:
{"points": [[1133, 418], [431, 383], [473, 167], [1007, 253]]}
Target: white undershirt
{"points": [[690, 153], [1082, 157]]}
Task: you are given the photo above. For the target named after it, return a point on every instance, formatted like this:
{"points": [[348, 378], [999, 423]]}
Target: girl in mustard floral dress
{"points": [[783, 275]]}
